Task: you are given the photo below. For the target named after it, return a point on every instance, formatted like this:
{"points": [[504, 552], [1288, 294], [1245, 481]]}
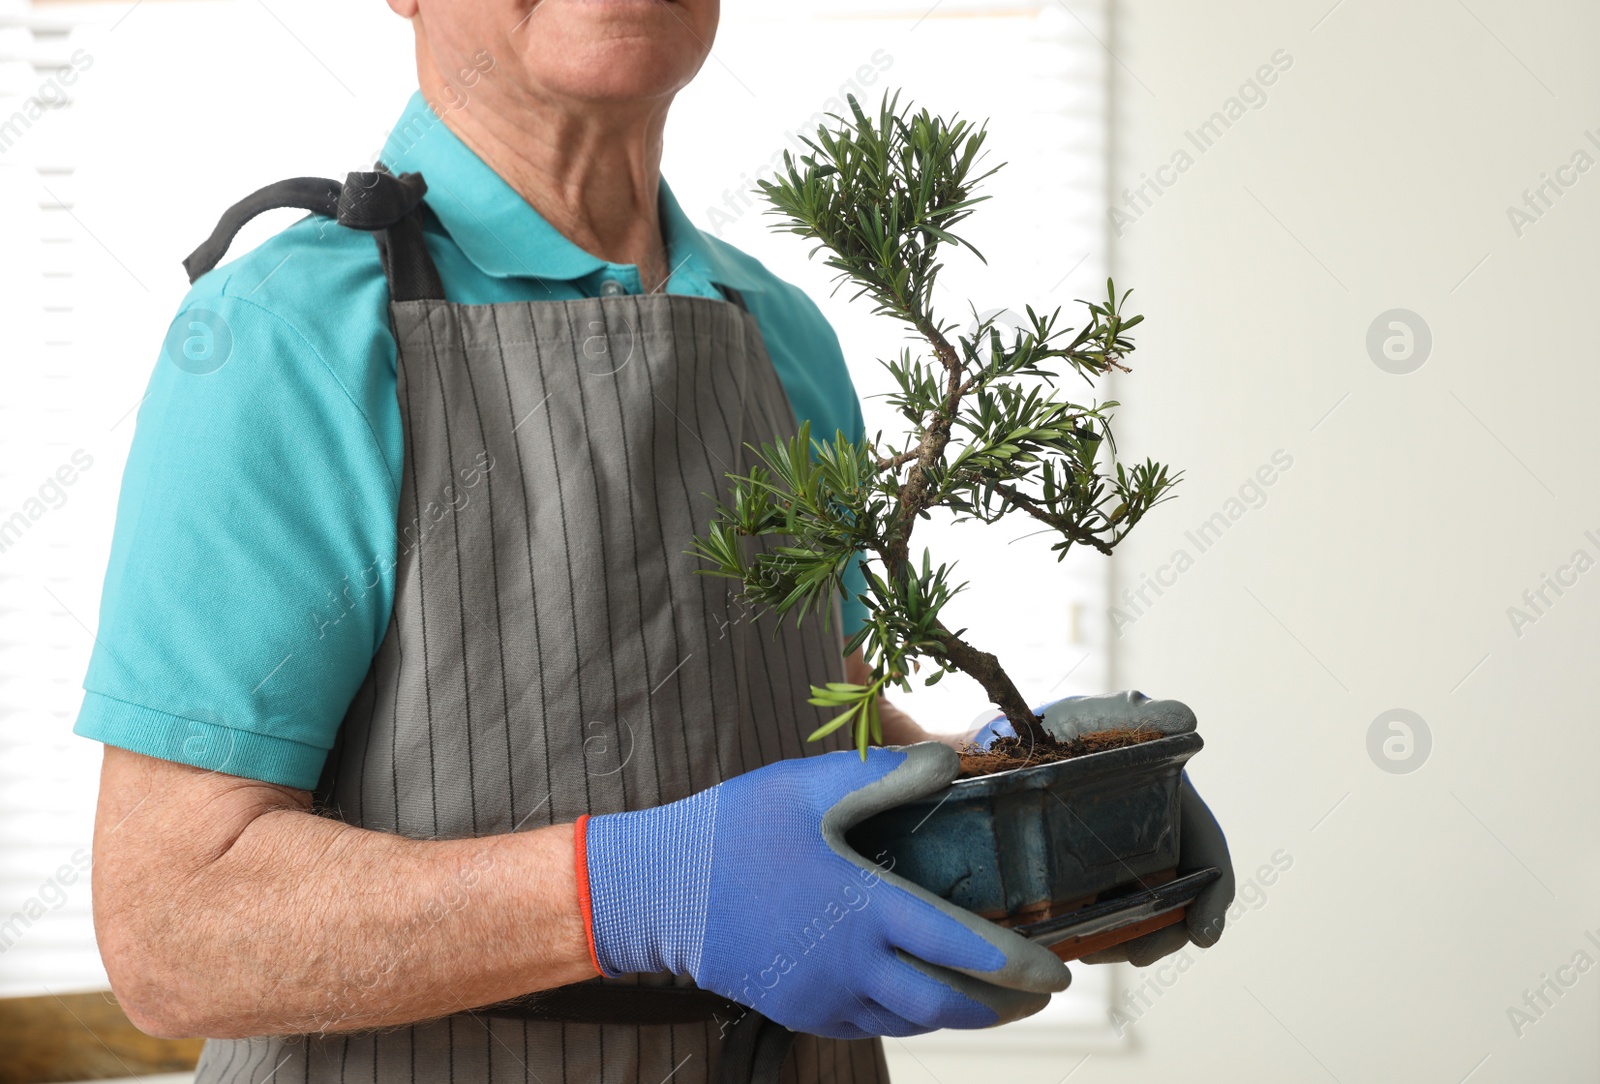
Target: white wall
{"points": [[1419, 907]]}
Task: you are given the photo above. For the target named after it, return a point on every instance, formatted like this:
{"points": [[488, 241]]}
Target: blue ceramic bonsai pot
{"points": [[1036, 842]]}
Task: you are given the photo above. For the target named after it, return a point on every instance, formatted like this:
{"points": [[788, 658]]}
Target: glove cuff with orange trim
{"points": [[644, 879]]}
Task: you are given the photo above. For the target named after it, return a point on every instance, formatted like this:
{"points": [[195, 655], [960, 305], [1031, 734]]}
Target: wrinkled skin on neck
{"points": [[567, 101]]}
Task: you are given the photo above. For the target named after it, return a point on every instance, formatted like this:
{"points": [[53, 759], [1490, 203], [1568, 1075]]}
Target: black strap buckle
{"points": [[371, 201], [376, 200]]}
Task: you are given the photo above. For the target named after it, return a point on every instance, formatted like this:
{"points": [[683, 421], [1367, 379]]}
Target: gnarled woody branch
{"points": [[981, 666]]}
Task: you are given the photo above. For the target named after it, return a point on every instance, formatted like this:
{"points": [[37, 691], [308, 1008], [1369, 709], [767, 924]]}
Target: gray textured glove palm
{"points": [[1202, 842]]}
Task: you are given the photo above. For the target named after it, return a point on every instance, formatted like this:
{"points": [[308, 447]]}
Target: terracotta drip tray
{"points": [[1122, 917], [1052, 909]]}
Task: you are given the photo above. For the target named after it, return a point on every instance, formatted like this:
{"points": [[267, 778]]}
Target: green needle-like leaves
{"points": [[990, 435]]}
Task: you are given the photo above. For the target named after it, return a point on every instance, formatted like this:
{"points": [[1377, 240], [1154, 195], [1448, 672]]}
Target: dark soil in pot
{"points": [[1009, 754]]}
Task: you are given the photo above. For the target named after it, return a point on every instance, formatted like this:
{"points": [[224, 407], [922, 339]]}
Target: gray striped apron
{"points": [[552, 650]]}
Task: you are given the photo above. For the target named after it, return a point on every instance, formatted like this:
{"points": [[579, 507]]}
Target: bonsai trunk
{"points": [[914, 499], [986, 670]]}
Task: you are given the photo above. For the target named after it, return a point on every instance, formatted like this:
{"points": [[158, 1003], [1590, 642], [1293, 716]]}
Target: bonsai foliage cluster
{"points": [[990, 433]]}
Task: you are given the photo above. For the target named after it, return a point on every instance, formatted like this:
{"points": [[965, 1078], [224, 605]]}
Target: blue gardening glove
{"points": [[1201, 842], [750, 888]]}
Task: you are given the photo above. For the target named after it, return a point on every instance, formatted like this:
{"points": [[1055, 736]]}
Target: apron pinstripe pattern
{"points": [[552, 650]]}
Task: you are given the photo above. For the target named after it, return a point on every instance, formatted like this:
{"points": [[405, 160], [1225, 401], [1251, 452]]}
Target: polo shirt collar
{"points": [[503, 235]]}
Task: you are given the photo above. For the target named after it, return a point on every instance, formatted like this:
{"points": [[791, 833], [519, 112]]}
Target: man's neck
{"points": [[592, 173]]}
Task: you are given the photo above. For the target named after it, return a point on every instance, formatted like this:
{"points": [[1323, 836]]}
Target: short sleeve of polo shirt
{"points": [[246, 590]]}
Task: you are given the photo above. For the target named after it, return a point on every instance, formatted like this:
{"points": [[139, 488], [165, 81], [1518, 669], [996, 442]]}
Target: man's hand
{"points": [[750, 888], [225, 908], [1202, 843]]}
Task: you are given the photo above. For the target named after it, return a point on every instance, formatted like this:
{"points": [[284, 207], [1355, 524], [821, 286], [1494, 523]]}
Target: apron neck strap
{"points": [[393, 207], [378, 202], [318, 195]]}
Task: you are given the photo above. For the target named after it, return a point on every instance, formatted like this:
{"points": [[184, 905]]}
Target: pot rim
{"points": [[1089, 765]]}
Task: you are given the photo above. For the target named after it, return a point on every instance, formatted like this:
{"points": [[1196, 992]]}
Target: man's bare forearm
{"points": [[225, 908]]}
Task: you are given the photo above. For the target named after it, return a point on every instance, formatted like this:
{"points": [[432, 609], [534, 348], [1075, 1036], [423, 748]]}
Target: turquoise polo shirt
{"points": [[243, 602]]}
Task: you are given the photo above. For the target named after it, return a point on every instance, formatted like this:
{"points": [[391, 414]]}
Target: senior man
{"points": [[414, 705]]}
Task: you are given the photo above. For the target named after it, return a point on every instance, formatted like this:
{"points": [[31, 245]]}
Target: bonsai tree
{"points": [[991, 434]]}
